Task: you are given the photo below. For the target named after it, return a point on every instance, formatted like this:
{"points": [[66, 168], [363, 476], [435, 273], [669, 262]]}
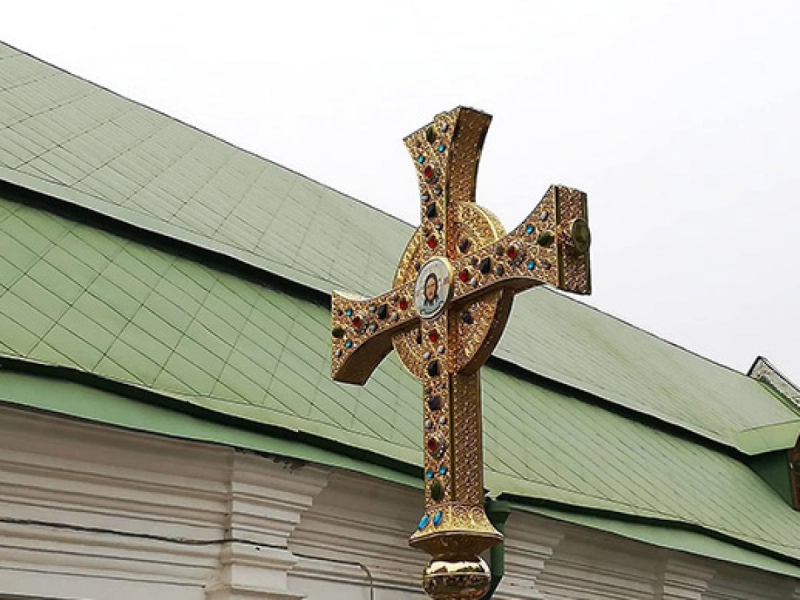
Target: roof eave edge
{"points": [[406, 473]]}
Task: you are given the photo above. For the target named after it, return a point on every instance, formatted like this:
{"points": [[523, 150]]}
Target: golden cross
{"points": [[450, 302]]}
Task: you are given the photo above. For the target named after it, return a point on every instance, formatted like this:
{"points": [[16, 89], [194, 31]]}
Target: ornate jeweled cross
{"points": [[451, 299]]}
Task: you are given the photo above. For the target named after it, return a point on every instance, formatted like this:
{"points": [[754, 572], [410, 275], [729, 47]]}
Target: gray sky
{"points": [[679, 119]]}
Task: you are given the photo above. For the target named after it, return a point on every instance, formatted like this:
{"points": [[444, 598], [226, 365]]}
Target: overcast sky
{"points": [[679, 119]]}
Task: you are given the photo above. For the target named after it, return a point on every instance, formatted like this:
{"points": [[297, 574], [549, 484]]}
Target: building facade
{"points": [[159, 517], [169, 428]]}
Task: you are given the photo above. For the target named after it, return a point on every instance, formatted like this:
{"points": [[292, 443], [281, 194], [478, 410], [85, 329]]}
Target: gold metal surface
{"points": [[456, 577], [446, 348]]}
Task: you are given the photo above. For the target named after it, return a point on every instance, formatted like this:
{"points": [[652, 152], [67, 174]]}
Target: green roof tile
{"points": [[35, 321]]}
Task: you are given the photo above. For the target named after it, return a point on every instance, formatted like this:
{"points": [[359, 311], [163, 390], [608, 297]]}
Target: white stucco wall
{"points": [[88, 511]]}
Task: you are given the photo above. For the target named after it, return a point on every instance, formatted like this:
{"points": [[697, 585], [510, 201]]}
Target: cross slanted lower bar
{"points": [[450, 301]]}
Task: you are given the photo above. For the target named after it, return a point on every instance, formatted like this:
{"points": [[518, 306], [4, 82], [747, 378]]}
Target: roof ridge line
{"points": [[697, 435], [102, 209], [651, 334], [206, 133]]}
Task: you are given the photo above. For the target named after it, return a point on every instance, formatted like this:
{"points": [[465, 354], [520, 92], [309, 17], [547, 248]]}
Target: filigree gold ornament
{"points": [[451, 299]]}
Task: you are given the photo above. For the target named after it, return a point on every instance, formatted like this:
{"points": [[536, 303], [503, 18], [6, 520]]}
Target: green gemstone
{"points": [[337, 332], [437, 491], [581, 237], [545, 238], [430, 134]]}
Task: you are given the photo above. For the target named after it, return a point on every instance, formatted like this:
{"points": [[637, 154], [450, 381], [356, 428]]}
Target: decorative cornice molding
{"points": [[684, 580], [347, 540], [795, 592], [267, 501], [529, 544]]}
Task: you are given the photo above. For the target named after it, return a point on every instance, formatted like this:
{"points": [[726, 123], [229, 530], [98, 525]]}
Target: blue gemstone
{"points": [[429, 474], [420, 159], [424, 521], [442, 470], [348, 343], [437, 518], [348, 312], [531, 265], [528, 228], [440, 148]]}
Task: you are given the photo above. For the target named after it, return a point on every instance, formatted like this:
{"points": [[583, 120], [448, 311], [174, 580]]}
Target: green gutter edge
{"points": [[46, 388]]}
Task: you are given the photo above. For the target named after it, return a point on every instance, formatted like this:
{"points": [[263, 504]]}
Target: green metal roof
{"points": [[57, 395], [126, 306], [78, 142]]}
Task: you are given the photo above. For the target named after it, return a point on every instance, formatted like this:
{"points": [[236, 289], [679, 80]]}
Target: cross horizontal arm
{"points": [[549, 247], [362, 330]]}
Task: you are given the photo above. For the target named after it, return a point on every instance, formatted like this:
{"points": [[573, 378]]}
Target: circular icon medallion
{"points": [[433, 287]]}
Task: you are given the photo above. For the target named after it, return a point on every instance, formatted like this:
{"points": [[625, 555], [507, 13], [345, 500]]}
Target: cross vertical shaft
{"points": [[447, 154]]}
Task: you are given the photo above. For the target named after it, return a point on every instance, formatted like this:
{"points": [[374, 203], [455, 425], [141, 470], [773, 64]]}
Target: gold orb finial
{"points": [[456, 577]]}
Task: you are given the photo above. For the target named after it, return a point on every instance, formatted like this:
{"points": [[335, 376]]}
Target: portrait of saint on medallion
{"points": [[433, 287]]}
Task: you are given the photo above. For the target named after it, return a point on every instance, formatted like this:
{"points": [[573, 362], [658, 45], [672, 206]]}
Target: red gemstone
{"points": [[511, 252], [432, 242], [356, 322], [433, 336], [464, 275], [403, 304], [428, 171], [433, 444]]}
